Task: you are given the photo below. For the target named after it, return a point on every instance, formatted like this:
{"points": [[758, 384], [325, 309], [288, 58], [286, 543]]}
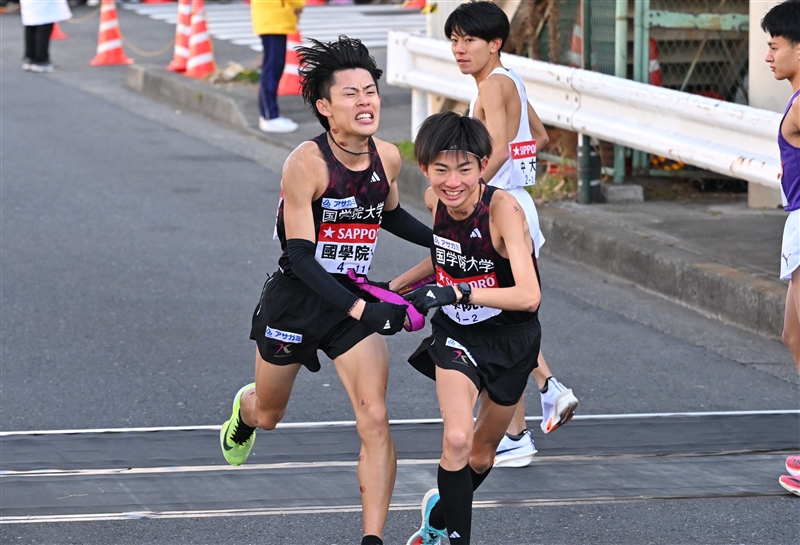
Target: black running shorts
{"points": [[292, 322], [497, 358]]}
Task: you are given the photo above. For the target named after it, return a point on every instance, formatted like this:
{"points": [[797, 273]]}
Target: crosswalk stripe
{"points": [[231, 22]]}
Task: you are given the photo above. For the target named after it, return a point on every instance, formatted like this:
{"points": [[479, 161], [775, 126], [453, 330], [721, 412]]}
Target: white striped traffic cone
{"points": [[109, 39], [290, 80], [201, 54], [183, 30]]}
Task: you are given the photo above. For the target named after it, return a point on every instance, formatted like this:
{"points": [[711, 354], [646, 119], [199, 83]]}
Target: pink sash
{"points": [[414, 319]]}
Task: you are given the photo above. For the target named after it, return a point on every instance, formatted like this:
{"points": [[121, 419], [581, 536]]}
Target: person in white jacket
{"points": [[38, 18]]}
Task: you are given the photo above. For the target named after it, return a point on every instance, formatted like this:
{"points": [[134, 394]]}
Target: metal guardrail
{"points": [[730, 139]]}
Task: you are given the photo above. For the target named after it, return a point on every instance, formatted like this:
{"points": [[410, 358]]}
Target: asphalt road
{"points": [[134, 240]]}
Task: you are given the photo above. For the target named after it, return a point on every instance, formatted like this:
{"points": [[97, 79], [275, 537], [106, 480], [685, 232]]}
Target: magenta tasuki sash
{"points": [[414, 319]]}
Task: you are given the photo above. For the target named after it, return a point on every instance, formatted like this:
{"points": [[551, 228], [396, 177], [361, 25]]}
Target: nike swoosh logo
{"points": [[508, 450], [225, 445]]}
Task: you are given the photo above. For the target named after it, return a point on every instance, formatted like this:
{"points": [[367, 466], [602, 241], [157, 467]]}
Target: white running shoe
{"points": [[511, 453], [46, 68], [558, 405], [279, 124]]}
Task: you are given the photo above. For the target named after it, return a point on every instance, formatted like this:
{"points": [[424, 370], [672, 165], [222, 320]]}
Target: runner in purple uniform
{"points": [[782, 23], [486, 332], [339, 189]]}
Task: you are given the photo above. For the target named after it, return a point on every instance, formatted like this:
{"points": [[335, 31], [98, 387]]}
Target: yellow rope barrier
{"points": [[84, 19], [92, 15], [141, 53]]}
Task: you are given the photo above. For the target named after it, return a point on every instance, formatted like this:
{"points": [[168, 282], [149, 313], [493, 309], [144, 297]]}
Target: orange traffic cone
{"points": [[656, 76], [414, 4], [109, 39], [290, 81], [57, 33], [201, 54], [575, 53], [183, 30]]}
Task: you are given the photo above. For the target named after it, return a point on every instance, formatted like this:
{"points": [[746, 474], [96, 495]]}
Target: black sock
{"points": [[546, 385], [243, 431], [478, 478], [455, 489], [371, 540], [518, 436], [437, 513]]}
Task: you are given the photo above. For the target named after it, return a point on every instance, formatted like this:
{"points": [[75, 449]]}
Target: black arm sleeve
{"points": [[307, 269], [404, 225]]}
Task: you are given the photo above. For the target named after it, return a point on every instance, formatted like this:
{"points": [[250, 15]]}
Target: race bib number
{"points": [[346, 246], [468, 314], [523, 157]]}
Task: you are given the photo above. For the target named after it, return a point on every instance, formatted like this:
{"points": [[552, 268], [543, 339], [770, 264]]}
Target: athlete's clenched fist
{"points": [[385, 318], [429, 297]]}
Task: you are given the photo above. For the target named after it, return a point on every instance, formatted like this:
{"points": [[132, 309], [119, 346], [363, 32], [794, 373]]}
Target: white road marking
{"points": [[352, 423]]}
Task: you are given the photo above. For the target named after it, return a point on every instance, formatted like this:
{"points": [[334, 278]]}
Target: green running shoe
{"points": [[236, 449]]}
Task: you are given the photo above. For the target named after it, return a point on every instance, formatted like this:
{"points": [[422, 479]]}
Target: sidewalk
{"points": [[716, 256]]}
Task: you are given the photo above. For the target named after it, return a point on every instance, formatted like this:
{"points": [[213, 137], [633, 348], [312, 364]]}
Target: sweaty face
{"points": [[355, 106], [472, 54], [454, 177], [783, 58]]}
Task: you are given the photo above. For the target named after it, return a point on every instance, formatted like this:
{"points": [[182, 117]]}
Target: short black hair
{"points": [[484, 20], [450, 131], [320, 62], [784, 20]]}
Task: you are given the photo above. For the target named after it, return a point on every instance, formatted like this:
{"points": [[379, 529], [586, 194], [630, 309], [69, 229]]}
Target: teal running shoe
{"points": [[236, 448], [427, 534]]}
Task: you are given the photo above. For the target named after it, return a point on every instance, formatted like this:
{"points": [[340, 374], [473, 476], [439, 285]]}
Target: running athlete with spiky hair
{"points": [[339, 189]]}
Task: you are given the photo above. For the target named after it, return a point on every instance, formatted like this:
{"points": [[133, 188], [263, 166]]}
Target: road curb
{"points": [[192, 95], [732, 295], [714, 288]]}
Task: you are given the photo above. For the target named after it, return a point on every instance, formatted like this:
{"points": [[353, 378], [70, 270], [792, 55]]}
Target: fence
{"points": [[726, 138], [702, 44]]}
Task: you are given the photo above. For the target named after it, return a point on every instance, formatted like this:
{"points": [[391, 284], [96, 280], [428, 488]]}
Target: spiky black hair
{"points": [[320, 62]]}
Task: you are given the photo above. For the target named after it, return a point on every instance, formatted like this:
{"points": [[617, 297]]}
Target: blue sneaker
{"points": [[427, 534]]}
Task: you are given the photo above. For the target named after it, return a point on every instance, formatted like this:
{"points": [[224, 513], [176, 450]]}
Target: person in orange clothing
{"points": [[273, 21]]}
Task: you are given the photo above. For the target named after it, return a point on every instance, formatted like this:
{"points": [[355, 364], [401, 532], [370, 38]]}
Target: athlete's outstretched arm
{"points": [[395, 219], [304, 180], [509, 224], [413, 275]]}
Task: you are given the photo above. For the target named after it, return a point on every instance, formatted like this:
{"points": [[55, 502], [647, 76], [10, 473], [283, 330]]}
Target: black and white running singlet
{"points": [[462, 251], [347, 217]]}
